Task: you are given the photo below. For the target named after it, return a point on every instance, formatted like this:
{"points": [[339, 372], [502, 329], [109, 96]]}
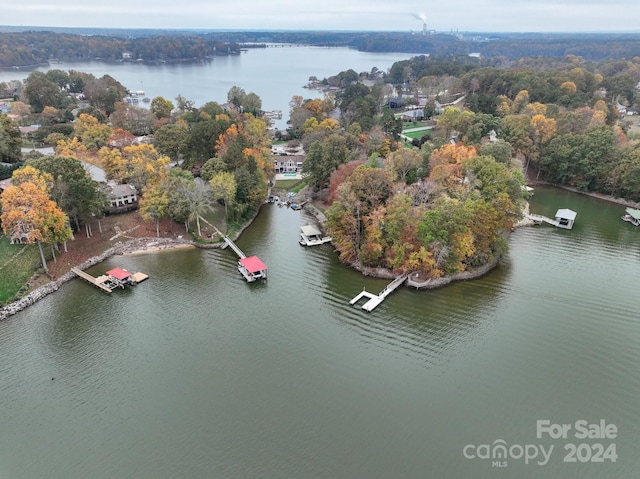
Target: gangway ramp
{"points": [[541, 218], [95, 281]]}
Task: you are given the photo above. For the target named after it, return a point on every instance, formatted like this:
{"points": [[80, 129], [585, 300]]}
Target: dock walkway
{"points": [[541, 218], [99, 282], [376, 299]]}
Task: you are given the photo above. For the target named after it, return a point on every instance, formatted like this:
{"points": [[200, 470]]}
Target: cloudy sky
{"points": [[463, 15]]}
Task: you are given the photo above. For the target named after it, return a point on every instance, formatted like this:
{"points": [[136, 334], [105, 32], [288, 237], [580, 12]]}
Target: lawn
{"points": [[417, 134], [286, 184], [17, 265]]}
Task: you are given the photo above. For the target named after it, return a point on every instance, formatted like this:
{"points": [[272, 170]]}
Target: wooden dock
{"points": [[108, 283], [99, 281], [376, 299]]}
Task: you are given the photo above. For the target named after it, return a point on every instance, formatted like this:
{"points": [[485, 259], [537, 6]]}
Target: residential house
{"points": [[288, 163], [5, 107], [4, 184], [412, 115], [122, 198]]}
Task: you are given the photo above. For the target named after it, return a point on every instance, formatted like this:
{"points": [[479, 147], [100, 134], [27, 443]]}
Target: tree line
{"points": [[22, 49]]}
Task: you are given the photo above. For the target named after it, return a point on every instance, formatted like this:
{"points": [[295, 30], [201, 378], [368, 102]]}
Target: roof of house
{"points": [[4, 184], [253, 264], [413, 113], [566, 214], [119, 273], [119, 191]]}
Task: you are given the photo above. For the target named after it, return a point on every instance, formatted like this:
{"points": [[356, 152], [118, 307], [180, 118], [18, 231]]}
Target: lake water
{"points": [[275, 74], [195, 373]]}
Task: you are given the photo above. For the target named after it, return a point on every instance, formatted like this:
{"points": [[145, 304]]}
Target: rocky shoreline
{"points": [[139, 245], [134, 246]]}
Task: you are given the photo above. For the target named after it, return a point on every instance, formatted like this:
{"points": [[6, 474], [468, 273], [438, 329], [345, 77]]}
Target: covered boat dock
{"points": [[252, 268], [632, 216], [312, 236]]}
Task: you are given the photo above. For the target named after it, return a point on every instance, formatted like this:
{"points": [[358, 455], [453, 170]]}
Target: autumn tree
{"points": [[223, 187], [30, 216], [71, 187], [91, 132], [154, 204], [402, 161], [161, 107]]}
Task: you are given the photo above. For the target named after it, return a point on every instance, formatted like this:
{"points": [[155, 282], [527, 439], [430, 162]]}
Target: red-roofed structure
{"points": [[119, 274], [252, 268]]}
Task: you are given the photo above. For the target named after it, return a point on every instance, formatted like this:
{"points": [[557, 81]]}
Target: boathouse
{"points": [[312, 236], [565, 218], [632, 216], [119, 277], [252, 268]]}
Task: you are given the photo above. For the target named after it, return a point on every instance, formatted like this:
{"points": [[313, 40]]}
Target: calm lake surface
{"points": [[195, 373], [275, 74]]}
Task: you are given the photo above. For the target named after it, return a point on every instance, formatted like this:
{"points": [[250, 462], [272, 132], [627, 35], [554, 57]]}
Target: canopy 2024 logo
{"points": [[592, 449]]}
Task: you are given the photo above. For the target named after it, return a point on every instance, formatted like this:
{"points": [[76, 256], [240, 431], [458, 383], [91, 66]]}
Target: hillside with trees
{"points": [[37, 46]]}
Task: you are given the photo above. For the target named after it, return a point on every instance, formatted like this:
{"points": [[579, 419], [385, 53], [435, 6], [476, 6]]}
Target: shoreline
{"points": [[154, 245], [132, 247]]}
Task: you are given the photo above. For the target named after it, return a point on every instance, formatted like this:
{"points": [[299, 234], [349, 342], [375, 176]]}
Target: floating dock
{"points": [[114, 278], [376, 299], [564, 219]]}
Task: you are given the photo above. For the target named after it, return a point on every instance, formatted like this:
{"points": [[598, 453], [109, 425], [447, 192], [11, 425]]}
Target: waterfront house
{"points": [[288, 163], [122, 198]]}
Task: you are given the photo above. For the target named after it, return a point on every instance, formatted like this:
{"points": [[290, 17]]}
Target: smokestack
{"points": [[424, 28]]}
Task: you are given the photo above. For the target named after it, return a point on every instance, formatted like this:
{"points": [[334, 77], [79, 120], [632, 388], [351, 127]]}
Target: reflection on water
{"points": [[195, 373]]}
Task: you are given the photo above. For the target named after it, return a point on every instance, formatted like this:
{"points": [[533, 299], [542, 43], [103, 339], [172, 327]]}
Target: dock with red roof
{"points": [[114, 278], [252, 268]]}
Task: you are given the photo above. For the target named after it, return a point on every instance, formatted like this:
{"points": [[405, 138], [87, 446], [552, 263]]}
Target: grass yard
{"points": [[17, 265], [417, 134], [286, 184]]}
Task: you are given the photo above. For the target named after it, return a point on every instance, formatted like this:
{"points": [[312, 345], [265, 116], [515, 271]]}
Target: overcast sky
{"points": [[462, 15]]}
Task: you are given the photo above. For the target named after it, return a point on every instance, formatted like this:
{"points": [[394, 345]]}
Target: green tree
{"points": [[172, 140], [40, 91], [252, 104], [161, 107], [236, 96], [10, 140]]}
